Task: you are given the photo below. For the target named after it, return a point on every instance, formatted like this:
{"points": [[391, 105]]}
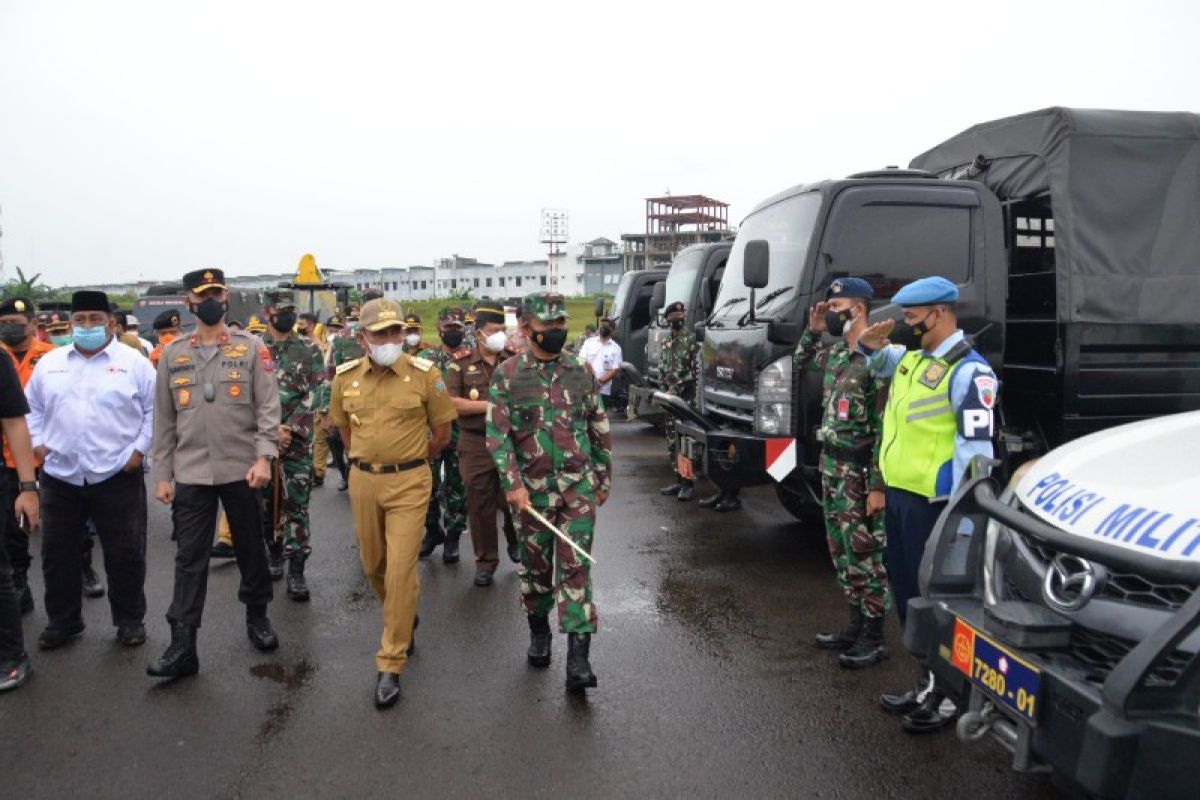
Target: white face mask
{"points": [[385, 354], [496, 342], [413, 339]]}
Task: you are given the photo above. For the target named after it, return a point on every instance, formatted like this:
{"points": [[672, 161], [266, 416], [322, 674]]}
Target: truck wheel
{"points": [[797, 502]]}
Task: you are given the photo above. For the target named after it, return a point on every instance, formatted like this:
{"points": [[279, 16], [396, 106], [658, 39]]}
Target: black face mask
{"points": [[452, 338], [606, 331], [551, 340], [909, 335], [836, 322], [284, 321], [676, 324], [210, 311], [13, 333]]}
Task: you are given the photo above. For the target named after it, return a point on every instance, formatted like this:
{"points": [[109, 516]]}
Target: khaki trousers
{"points": [[389, 521], [320, 449]]}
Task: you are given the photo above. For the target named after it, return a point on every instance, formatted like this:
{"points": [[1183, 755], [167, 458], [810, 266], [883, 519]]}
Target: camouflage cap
{"points": [[278, 298], [451, 315], [379, 314], [546, 306]]}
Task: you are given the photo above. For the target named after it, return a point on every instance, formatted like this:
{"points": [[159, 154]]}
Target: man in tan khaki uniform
{"points": [[386, 405]]}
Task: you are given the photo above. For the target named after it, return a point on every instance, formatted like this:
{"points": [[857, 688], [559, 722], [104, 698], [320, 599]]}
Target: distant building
{"points": [[603, 263], [673, 223]]}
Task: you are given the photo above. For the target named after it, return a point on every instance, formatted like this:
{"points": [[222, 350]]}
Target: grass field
{"points": [[578, 308]]}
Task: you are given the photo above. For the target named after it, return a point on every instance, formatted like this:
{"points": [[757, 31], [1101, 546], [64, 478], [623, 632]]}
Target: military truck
{"points": [[694, 278], [631, 317], [1074, 239]]}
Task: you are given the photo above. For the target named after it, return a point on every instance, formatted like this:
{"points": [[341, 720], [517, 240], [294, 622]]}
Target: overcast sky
{"points": [[144, 139]]}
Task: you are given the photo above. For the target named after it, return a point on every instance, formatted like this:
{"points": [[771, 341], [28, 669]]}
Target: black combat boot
{"points": [[847, 636], [297, 587], [180, 659], [672, 490], [870, 647], [259, 630], [579, 670], [450, 549], [539, 641], [934, 713], [275, 561], [730, 501], [433, 537], [23, 592], [686, 490], [711, 500]]}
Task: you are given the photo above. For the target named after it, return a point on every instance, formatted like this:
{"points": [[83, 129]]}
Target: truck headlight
{"points": [[773, 399]]}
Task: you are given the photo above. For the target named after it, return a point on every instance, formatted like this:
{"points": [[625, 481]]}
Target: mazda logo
{"points": [[1070, 582]]}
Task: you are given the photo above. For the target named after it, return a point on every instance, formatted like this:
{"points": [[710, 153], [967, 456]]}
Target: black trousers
{"points": [[194, 514], [909, 520], [117, 506], [12, 641], [16, 541]]}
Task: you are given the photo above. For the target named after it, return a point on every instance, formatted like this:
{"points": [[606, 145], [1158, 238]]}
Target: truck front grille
{"points": [[1126, 587]]}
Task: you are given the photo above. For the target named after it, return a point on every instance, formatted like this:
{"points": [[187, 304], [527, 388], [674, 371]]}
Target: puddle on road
{"points": [[294, 680]]}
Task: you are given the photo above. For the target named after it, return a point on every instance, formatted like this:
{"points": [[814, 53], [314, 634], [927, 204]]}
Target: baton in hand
{"points": [[531, 511]]}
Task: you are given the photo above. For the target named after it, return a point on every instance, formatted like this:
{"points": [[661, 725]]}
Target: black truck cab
{"points": [[1074, 239]]}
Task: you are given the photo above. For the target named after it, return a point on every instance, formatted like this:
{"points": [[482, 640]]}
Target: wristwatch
{"points": [[27, 486]]}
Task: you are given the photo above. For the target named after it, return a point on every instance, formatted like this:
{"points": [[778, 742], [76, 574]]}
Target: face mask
{"points": [[89, 338], [496, 341], [836, 322], [284, 321], [61, 340], [676, 324], [210, 311], [13, 333], [606, 331], [909, 335], [452, 338], [385, 354], [551, 340], [412, 339]]}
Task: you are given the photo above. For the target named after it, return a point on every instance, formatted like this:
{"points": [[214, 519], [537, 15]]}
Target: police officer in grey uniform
{"points": [[216, 419]]}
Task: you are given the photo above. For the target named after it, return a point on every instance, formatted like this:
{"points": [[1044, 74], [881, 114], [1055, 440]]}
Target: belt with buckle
{"points": [[388, 469]]}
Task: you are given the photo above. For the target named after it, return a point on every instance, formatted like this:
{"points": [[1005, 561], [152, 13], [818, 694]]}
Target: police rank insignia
{"points": [[185, 397], [234, 375], [183, 359], [933, 375]]}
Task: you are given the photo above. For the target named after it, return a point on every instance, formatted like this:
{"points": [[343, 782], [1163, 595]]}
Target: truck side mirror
{"points": [[756, 264], [659, 298], [598, 311]]}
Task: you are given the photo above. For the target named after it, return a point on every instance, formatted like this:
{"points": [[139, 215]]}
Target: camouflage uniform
{"points": [[303, 395], [448, 500], [344, 347], [547, 430], [853, 403], [678, 363]]}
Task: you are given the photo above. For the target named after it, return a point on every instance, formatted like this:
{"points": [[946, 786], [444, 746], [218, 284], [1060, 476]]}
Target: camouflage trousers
{"points": [[290, 487], [856, 541], [448, 500], [551, 572]]}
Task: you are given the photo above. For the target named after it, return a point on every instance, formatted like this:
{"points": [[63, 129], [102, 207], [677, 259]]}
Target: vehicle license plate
{"points": [[993, 668]]}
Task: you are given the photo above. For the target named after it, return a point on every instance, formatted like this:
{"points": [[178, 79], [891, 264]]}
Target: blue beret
{"points": [[927, 292], [849, 287]]}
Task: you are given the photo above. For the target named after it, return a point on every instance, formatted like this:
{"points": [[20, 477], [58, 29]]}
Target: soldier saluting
{"points": [[853, 499], [216, 419], [549, 436]]}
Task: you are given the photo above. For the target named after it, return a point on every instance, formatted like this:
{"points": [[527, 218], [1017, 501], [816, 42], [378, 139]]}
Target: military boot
{"points": [[297, 587], [275, 561], [180, 659], [450, 549], [711, 500], [672, 490], [686, 492], [847, 636], [259, 630], [539, 640], [433, 537], [870, 647], [23, 592], [579, 669]]}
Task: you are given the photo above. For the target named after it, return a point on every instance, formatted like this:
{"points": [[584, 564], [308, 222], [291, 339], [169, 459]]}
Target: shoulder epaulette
{"points": [[349, 365], [459, 355], [422, 364]]}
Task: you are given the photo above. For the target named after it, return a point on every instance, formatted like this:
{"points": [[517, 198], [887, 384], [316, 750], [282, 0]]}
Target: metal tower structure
{"points": [[554, 236]]}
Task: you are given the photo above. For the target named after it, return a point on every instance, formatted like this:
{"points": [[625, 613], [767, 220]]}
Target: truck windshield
{"points": [[681, 280], [622, 297], [787, 226]]}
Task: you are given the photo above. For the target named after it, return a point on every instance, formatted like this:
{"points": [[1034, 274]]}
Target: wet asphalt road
{"points": [[709, 686]]}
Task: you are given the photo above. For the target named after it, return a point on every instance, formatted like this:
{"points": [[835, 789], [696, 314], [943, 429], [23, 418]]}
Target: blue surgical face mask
{"points": [[89, 338], [61, 341]]}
